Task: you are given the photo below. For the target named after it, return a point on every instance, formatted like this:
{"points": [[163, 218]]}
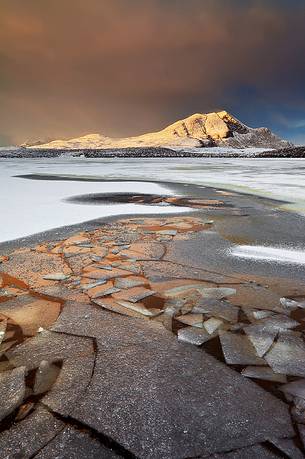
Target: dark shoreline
{"points": [[22, 153]]}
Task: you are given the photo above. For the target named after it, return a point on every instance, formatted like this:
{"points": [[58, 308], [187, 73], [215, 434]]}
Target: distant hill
{"points": [[199, 130]]}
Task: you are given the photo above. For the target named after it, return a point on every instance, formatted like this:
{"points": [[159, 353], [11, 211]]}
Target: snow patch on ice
{"points": [[271, 254]]}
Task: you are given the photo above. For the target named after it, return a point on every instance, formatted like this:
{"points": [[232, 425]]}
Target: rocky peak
{"points": [[198, 130]]}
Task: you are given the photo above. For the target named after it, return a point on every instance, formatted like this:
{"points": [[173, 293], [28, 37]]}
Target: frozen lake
{"points": [[31, 206]]}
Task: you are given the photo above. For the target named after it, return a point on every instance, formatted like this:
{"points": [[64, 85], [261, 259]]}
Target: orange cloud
{"points": [[126, 66]]}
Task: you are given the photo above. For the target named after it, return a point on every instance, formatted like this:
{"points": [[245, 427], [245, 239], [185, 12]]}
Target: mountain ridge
{"points": [[198, 130]]}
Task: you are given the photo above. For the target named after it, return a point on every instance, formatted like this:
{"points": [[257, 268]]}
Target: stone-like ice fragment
{"points": [[295, 388], [56, 277], [264, 373], [135, 294], [287, 356], [218, 308], [212, 324], [288, 447], [195, 320], [279, 322], [138, 307], [238, 350], [292, 305], [193, 335], [261, 338], [215, 293], [126, 282]]}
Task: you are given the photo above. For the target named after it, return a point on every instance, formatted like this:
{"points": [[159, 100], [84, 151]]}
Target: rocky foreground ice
{"points": [[142, 337]]}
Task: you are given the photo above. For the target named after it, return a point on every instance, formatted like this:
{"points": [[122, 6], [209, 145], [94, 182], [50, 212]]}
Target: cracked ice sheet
{"points": [[27, 437], [73, 443], [148, 399]]}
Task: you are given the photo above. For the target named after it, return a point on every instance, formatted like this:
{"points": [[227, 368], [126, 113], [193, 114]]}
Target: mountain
{"points": [[199, 130]]}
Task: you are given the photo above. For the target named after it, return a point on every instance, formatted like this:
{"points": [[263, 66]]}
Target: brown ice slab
{"points": [[12, 390], [104, 274], [73, 443], [31, 266], [49, 346], [26, 438], [111, 305], [129, 282], [160, 401], [62, 292], [31, 313], [145, 251], [134, 294]]}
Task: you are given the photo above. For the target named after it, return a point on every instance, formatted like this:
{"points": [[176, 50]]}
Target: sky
{"points": [[125, 67]]}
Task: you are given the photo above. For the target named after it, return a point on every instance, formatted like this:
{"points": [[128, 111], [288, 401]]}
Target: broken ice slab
{"points": [[110, 305], [212, 324], [195, 320], [106, 267], [172, 308], [287, 355], [46, 376], [93, 284], [74, 443], [257, 314], [261, 338], [56, 277], [96, 258], [301, 429], [167, 232], [12, 390], [295, 388], [218, 308], [105, 292], [298, 410], [129, 282], [279, 322], [288, 447], [261, 314], [137, 307], [100, 274], [193, 335], [206, 292], [135, 294], [238, 350], [292, 305], [264, 373]]}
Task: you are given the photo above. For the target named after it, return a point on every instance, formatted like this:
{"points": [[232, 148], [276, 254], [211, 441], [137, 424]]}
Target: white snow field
{"points": [[31, 206]]}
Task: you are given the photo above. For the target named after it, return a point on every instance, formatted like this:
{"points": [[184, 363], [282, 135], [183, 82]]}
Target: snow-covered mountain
{"points": [[198, 130]]}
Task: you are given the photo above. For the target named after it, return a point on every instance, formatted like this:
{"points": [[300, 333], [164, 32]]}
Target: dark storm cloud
{"points": [[120, 67]]}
